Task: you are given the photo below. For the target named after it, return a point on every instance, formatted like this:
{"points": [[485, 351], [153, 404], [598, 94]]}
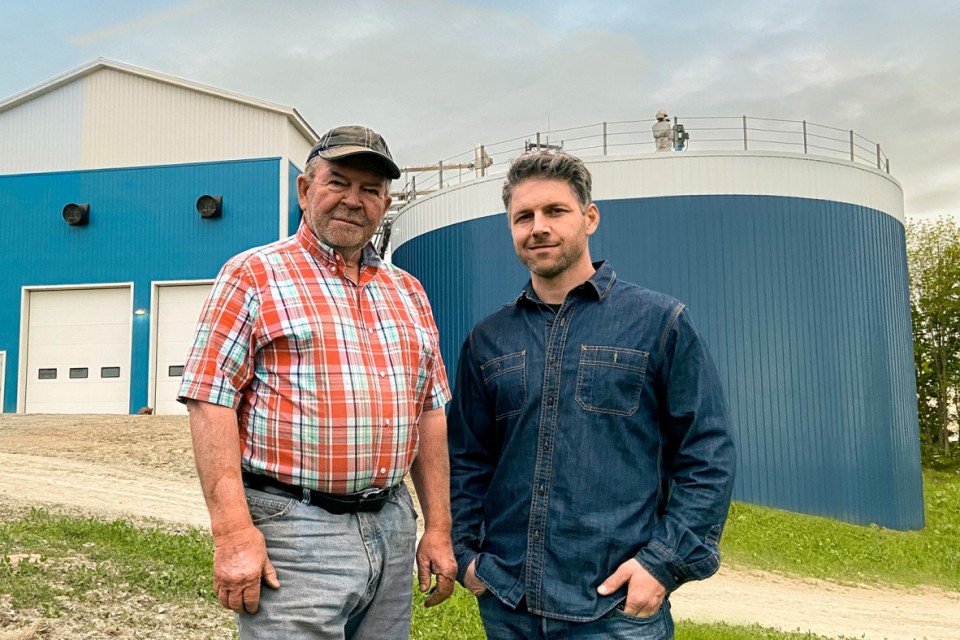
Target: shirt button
{"points": [[553, 358], [383, 471], [536, 534], [541, 490], [334, 269], [382, 374], [550, 402], [545, 446]]}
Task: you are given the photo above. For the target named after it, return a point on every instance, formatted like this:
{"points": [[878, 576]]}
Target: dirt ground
{"points": [[141, 467]]}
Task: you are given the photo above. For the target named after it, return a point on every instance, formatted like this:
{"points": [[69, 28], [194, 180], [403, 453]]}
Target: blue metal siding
{"points": [[144, 226], [293, 203], [804, 304]]}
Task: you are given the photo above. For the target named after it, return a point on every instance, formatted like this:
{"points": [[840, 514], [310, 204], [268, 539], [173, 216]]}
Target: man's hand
{"points": [[239, 562], [435, 557], [472, 582], [644, 593]]}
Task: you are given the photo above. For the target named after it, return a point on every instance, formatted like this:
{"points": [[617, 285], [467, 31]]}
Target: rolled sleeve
{"points": [[220, 363]]}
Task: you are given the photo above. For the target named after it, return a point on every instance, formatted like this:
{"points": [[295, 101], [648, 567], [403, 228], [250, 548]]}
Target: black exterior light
{"points": [[76, 215], [209, 206]]}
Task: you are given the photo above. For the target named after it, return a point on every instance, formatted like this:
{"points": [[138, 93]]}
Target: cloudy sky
{"points": [[439, 76]]}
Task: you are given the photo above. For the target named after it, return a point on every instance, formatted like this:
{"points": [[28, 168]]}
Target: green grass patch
{"points": [[720, 631], [54, 563], [780, 541], [48, 557], [458, 618]]}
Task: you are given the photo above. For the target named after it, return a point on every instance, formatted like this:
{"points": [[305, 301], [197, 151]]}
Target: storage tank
{"points": [[794, 268]]}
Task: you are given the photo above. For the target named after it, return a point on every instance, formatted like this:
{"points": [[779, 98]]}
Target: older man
{"points": [[314, 385]]}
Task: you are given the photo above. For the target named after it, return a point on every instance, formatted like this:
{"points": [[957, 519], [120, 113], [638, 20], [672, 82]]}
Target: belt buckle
{"points": [[370, 493]]}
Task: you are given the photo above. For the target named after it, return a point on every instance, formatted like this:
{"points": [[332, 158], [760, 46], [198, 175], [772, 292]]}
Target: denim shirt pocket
{"points": [[505, 380], [610, 379]]}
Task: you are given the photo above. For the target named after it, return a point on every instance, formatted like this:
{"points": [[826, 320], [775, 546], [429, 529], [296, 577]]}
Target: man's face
{"points": [[344, 203], [549, 228]]}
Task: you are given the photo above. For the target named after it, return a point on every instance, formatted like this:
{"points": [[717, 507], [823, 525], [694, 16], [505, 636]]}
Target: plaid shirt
{"points": [[329, 378]]}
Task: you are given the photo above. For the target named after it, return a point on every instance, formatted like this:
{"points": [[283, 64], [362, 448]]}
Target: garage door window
{"points": [[47, 374], [175, 371], [78, 373], [109, 372]]}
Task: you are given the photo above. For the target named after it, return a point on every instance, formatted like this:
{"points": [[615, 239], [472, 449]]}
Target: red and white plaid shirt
{"points": [[329, 378]]}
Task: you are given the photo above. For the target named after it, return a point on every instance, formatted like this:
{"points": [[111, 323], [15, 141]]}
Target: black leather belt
{"points": [[371, 499]]}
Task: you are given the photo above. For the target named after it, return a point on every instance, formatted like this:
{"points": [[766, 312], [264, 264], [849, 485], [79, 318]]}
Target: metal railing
{"points": [[715, 133]]}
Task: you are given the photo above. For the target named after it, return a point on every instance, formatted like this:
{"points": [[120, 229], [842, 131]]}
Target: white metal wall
{"points": [[109, 117], [45, 136], [298, 147], [675, 174], [170, 124]]}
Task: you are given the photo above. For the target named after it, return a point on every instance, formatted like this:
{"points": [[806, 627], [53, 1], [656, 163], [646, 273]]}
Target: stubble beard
{"points": [[335, 234], [552, 267]]}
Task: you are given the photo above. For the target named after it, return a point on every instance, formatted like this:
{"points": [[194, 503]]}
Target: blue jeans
{"points": [[342, 577], [502, 622]]}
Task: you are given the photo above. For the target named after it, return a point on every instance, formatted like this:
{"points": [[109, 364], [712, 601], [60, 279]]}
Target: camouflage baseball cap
{"points": [[343, 142]]}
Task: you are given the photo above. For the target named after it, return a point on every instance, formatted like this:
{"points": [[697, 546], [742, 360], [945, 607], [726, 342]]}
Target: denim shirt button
{"points": [[536, 534], [541, 490]]}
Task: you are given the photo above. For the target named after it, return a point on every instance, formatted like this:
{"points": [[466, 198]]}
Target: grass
{"points": [[459, 619], [53, 565], [779, 541], [78, 555], [752, 632]]}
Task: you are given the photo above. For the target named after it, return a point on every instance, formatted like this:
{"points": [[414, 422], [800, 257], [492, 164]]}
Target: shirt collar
{"points": [[326, 255], [597, 286]]}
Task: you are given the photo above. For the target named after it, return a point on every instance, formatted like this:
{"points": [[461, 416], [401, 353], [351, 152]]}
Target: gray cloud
{"points": [[437, 77]]}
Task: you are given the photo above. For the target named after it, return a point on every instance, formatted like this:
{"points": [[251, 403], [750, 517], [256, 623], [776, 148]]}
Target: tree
{"points": [[933, 256]]}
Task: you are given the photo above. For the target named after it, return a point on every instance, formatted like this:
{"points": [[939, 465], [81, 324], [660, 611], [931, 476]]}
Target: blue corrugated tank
{"points": [[802, 296], [293, 204], [143, 227]]}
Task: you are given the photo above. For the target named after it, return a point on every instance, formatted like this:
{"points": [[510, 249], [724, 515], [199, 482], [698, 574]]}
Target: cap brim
{"points": [[345, 151]]}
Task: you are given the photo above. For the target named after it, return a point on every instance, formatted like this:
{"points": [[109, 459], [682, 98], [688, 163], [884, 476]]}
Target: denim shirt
{"points": [[583, 438]]}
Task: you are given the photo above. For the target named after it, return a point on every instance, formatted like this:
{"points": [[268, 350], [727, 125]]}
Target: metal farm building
{"points": [[105, 257], [123, 191]]}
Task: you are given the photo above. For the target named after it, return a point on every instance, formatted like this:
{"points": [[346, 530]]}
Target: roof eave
{"points": [[103, 63]]}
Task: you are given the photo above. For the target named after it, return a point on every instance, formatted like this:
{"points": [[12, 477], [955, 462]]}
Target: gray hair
{"points": [[310, 169], [549, 165]]}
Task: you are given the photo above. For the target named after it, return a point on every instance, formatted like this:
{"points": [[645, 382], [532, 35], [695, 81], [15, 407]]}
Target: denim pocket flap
{"points": [[618, 357], [505, 380], [510, 363], [610, 379]]}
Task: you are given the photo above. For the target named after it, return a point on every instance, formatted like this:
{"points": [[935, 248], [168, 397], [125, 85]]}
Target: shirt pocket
{"points": [[610, 379], [506, 381]]}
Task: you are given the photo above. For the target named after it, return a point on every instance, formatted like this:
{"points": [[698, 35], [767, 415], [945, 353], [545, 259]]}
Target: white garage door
{"points": [[78, 351], [178, 309]]}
